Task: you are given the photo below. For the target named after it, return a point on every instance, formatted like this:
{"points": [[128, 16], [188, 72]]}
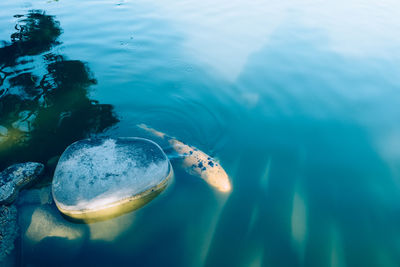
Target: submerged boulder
{"points": [[8, 230], [37, 196], [12, 180], [44, 231], [100, 178], [16, 177]]}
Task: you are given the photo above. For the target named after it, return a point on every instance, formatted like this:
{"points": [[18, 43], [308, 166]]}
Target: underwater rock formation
{"points": [[44, 231], [8, 230], [35, 196], [43, 222], [100, 178], [15, 177]]}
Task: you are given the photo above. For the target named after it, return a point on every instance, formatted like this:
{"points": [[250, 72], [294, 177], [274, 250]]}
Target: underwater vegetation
{"points": [[44, 102]]}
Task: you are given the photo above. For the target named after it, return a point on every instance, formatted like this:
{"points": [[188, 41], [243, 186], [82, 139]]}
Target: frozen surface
{"points": [[94, 173]]}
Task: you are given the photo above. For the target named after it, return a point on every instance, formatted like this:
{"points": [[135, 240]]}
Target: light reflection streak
{"points": [[257, 257], [299, 223], [208, 237], [265, 176], [337, 258]]}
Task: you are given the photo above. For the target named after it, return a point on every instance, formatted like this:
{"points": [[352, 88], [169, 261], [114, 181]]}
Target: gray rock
{"points": [[15, 177], [97, 178], [8, 230]]}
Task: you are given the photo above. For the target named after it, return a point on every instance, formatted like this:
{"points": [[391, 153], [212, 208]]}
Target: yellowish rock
{"points": [[100, 178]]}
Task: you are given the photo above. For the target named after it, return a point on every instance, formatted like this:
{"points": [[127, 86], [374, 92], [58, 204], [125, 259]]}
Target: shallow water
{"points": [[298, 101]]}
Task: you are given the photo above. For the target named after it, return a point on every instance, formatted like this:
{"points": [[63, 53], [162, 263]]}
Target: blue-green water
{"points": [[298, 101]]}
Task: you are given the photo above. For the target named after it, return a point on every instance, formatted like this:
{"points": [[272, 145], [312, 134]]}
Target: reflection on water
{"points": [[44, 102]]}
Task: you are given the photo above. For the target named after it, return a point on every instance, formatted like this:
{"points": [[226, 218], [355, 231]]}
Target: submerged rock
{"points": [[12, 180], [38, 196], [100, 178], [46, 222], [44, 231], [8, 230], [16, 177], [111, 230]]}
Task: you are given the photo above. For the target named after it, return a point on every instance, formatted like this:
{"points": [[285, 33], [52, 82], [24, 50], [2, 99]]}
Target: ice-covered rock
{"points": [[99, 178], [8, 230], [16, 177]]}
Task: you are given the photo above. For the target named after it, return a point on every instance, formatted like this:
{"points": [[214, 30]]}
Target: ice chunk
{"points": [[99, 177]]}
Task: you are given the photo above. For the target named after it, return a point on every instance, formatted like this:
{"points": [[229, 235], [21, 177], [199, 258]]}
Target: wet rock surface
{"points": [[94, 175], [15, 177]]}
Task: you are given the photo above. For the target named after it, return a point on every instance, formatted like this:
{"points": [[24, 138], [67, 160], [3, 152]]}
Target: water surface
{"points": [[298, 101]]}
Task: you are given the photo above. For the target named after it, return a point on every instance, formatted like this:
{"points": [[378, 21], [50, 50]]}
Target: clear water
{"points": [[298, 101]]}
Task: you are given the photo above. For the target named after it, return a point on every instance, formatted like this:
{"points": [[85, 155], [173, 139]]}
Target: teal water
{"points": [[298, 101]]}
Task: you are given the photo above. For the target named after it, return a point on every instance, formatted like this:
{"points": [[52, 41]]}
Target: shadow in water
{"points": [[44, 102]]}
